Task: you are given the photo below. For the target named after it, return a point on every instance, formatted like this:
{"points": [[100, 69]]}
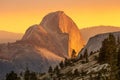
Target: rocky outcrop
{"points": [[42, 45], [94, 44], [58, 23], [57, 32]]}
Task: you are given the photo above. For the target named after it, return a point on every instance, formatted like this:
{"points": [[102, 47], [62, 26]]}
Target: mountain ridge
{"points": [[6, 36], [92, 31]]}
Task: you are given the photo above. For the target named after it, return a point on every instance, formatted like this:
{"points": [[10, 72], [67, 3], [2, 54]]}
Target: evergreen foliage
{"points": [[61, 64], [118, 40], [27, 74], [76, 72], [67, 62], [86, 56], [108, 50], [81, 57], [57, 71], [73, 54], [118, 64], [30, 75], [91, 53], [109, 54], [12, 76], [50, 70]]}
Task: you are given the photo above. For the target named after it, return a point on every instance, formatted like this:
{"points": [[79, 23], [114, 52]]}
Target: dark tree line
{"points": [[12, 76], [27, 75], [110, 53]]}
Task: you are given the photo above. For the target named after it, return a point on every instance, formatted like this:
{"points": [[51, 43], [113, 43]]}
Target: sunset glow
{"points": [[18, 15]]}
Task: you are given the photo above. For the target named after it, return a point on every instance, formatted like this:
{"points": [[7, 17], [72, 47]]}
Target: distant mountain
{"points": [[43, 45], [92, 31], [6, 36]]}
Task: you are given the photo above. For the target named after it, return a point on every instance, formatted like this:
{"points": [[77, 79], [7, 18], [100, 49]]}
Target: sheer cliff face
{"points": [[42, 45], [58, 23]]}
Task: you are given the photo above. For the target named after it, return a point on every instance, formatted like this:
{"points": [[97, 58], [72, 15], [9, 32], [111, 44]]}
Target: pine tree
{"points": [[12, 76], [86, 56], [82, 74], [61, 64], [56, 70], [108, 50], [21, 74], [33, 76], [91, 78], [50, 69], [27, 74], [118, 40], [118, 63], [73, 54], [99, 76], [81, 57], [108, 54], [76, 72], [67, 62], [91, 53], [102, 55]]}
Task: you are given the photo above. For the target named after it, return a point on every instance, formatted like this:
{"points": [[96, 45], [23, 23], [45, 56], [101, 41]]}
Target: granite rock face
{"points": [[56, 32], [43, 45], [58, 23], [95, 43]]}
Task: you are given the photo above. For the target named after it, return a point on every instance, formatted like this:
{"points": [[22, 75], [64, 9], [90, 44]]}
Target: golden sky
{"points": [[18, 15]]}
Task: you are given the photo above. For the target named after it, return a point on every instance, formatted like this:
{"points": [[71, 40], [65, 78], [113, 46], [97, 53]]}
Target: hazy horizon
{"points": [[18, 15], [90, 27]]}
